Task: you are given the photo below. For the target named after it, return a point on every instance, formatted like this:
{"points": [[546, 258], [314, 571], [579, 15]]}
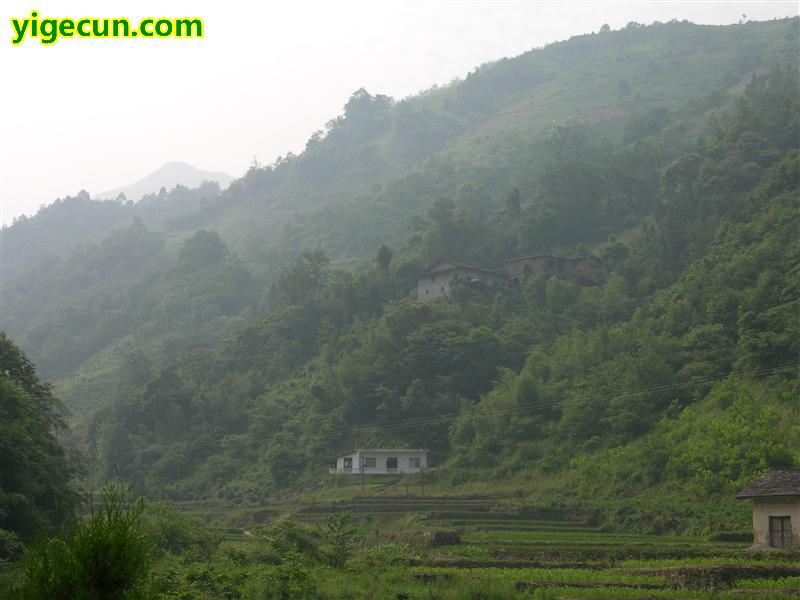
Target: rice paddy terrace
{"points": [[480, 547]]}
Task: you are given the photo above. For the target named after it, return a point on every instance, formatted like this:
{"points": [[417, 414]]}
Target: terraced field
{"points": [[478, 547]]}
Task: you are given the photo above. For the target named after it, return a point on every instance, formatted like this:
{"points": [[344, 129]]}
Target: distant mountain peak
{"points": [[168, 175]]}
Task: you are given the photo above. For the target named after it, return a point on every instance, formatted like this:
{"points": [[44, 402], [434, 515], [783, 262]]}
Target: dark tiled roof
{"points": [[567, 258], [391, 450], [777, 482], [452, 265]]}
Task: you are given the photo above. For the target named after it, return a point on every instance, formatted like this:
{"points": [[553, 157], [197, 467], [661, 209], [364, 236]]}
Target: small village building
{"points": [[382, 461], [776, 509], [586, 268], [442, 275]]}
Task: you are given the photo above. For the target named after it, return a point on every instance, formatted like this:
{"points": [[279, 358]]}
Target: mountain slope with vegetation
{"points": [[692, 337], [371, 177], [231, 344]]}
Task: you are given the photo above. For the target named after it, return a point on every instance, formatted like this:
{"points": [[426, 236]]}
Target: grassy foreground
{"points": [[398, 547], [476, 547]]}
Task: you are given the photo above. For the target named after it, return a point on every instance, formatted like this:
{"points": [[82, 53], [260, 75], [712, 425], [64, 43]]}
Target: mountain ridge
{"points": [[169, 175]]}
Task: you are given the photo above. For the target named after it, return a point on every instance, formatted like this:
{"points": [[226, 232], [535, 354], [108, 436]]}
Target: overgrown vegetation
{"points": [[502, 551], [36, 494], [692, 335], [105, 556], [206, 363]]}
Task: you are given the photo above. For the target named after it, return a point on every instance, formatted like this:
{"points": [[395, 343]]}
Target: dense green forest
{"points": [[37, 492], [693, 335], [230, 344]]}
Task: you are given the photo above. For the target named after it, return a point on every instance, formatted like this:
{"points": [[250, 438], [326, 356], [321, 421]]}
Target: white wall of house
{"points": [[380, 461], [437, 285], [434, 286], [764, 508]]}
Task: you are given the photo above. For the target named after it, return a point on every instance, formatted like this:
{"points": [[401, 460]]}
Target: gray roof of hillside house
{"points": [[452, 265], [415, 450], [532, 256], [776, 482]]}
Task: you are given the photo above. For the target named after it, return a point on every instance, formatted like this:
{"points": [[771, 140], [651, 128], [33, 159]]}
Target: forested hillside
{"points": [[692, 338], [37, 493], [231, 344]]}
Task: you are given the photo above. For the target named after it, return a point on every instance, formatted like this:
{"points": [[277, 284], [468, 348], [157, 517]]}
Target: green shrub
{"points": [[285, 536], [11, 548], [106, 557], [382, 556], [169, 529], [731, 536], [50, 572], [339, 536], [290, 580]]}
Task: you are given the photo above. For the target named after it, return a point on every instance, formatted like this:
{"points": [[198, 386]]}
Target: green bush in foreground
{"points": [[292, 579], [10, 545], [171, 530], [338, 534], [106, 557]]}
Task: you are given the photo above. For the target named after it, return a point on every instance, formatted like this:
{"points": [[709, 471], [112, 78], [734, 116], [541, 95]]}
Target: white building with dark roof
{"points": [[382, 461], [776, 509]]}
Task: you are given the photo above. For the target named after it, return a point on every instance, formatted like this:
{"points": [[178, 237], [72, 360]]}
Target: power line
{"points": [[530, 407], [521, 410]]}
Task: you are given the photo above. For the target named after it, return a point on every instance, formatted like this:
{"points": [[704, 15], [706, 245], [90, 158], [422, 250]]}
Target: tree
{"points": [[307, 276], [203, 248], [384, 258], [338, 534], [560, 294], [513, 201], [35, 470]]}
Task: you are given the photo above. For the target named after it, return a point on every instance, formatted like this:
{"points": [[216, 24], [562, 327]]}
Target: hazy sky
{"points": [[99, 114]]}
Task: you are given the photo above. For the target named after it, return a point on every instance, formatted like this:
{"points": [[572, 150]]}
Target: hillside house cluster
{"points": [[443, 274]]}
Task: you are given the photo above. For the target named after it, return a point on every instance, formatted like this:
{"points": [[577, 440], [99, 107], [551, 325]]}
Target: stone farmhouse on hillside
{"points": [[442, 275], [776, 510], [585, 268]]}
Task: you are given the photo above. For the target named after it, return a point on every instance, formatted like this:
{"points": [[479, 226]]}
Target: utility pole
{"points": [[362, 462]]}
